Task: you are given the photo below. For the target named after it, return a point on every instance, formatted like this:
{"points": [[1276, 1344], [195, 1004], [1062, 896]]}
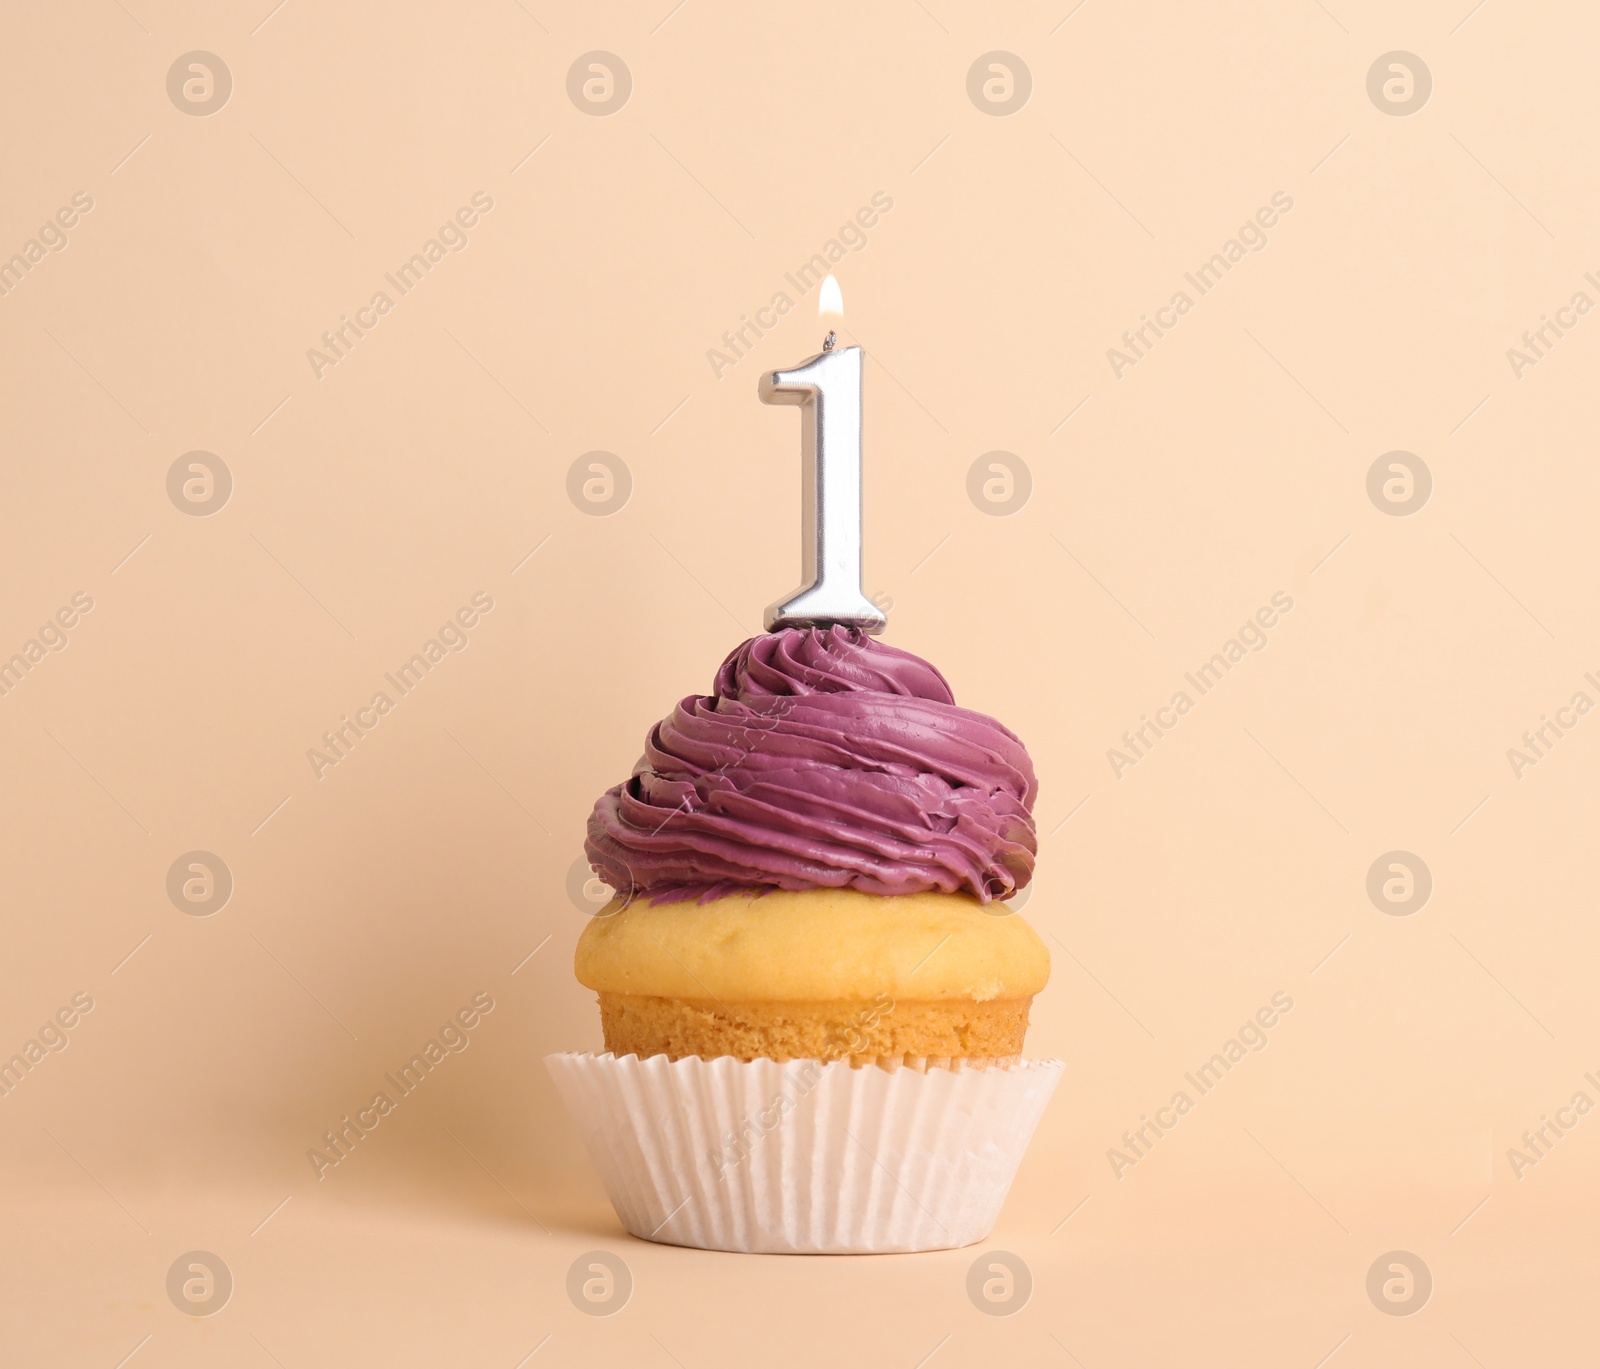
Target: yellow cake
{"points": [[825, 974]]}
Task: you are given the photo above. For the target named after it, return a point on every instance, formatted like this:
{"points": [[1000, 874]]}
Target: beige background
{"points": [[431, 462]]}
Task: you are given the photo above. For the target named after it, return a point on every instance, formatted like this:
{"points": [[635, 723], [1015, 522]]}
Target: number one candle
{"points": [[827, 387]]}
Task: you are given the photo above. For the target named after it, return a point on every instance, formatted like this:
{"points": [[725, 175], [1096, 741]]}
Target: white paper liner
{"points": [[805, 1157]]}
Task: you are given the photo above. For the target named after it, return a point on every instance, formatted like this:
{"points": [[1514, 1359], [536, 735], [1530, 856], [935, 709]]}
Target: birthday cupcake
{"points": [[811, 865], [812, 992]]}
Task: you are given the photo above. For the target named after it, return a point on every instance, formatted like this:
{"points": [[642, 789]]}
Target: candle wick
{"points": [[827, 342]]}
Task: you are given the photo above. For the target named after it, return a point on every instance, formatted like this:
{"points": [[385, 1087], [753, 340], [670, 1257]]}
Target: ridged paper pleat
{"points": [[804, 1157]]}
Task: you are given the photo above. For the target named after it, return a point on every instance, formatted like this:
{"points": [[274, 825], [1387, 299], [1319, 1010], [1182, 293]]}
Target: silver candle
{"points": [[827, 387]]}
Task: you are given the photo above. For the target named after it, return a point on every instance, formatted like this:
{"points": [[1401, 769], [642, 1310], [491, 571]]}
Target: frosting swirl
{"points": [[823, 759]]}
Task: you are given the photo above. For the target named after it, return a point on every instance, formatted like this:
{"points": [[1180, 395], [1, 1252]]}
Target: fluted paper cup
{"points": [[802, 1156]]}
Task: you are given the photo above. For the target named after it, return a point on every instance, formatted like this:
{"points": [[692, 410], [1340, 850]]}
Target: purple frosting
{"points": [[822, 760]]}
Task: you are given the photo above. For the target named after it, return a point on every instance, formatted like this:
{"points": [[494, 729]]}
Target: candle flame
{"points": [[830, 300]]}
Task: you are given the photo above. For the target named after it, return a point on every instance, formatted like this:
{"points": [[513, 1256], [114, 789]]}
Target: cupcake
{"points": [[809, 978]]}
